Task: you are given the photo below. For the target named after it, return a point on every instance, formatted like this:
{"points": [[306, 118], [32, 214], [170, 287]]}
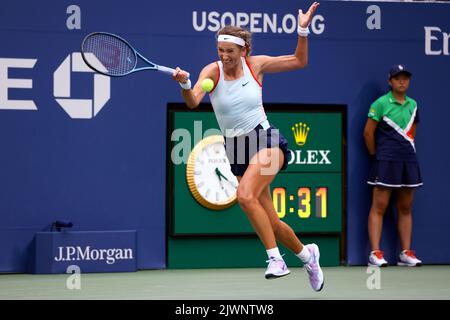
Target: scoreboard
{"points": [[308, 195]]}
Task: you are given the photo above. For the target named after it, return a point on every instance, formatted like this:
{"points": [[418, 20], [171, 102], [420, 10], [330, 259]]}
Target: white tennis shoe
{"points": [[276, 269], [376, 259], [408, 258], [313, 269]]}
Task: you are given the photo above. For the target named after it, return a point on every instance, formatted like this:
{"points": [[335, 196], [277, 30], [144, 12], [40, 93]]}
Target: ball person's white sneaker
{"points": [[313, 269], [408, 258], [376, 259], [277, 268]]}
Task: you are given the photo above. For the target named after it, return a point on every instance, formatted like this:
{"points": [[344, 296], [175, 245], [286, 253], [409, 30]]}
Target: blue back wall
{"points": [[107, 172]]}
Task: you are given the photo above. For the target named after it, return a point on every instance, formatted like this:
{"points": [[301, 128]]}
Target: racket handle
{"points": [[169, 70]]}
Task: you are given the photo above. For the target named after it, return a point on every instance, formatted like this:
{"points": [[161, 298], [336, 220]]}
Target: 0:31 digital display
{"points": [[302, 199]]}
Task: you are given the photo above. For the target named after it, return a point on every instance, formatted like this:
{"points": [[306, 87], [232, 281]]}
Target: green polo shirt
{"points": [[393, 137]]}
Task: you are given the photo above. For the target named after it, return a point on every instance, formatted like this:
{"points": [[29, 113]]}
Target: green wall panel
{"points": [[238, 252]]}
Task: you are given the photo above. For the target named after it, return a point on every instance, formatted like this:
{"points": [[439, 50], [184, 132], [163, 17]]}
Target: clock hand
{"points": [[221, 175], [218, 174]]}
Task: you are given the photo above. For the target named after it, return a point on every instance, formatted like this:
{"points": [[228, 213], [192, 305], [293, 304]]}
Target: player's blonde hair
{"points": [[240, 33]]}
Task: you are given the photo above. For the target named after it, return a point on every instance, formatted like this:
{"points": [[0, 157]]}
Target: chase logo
{"points": [[300, 131], [80, 108], [75, 108]]}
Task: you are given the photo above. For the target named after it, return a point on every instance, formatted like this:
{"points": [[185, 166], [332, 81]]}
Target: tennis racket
{"points": [[113, 56]]}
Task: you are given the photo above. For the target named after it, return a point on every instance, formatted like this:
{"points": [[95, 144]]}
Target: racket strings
{"points": [[116, 56]]}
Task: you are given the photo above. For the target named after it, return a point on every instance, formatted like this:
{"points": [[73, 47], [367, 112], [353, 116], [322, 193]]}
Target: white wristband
{"points": [[303, 32], [186, 86]]}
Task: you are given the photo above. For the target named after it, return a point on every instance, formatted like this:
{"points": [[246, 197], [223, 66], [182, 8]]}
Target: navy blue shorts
{"points": [[395, 174], [242, 148]]}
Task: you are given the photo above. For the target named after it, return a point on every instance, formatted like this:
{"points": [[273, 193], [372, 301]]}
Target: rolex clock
{"points": [[209, 175]]}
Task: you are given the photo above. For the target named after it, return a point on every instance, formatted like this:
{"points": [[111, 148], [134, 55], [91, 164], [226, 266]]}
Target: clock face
{"points": [[209, 176]]}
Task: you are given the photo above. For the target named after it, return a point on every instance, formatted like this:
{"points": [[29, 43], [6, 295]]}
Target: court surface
{"points": [[426, 282]]}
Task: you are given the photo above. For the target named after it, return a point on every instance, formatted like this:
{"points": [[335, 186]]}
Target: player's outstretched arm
{"points": [[268, 64]]}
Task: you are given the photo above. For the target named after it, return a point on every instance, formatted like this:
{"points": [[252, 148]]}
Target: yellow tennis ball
{"points": [[207, 85]]}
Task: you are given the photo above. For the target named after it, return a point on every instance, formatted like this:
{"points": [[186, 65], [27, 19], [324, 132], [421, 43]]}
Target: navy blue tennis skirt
{"points": [[395, 174], [242, 148]]}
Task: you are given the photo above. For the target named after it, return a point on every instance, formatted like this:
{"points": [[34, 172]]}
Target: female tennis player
{"points": [[256, 150]]}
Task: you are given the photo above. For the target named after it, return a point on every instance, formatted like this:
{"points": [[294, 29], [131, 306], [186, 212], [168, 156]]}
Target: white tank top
{"points": [[238, 103]]}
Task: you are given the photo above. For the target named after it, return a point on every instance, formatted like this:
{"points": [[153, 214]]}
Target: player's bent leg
{"points": [[283, 232], [252, 183], [288, 238], [247, 195]]}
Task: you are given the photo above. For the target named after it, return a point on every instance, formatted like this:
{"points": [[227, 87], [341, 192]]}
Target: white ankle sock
{"points": [[304, 255], [273, 253]]}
